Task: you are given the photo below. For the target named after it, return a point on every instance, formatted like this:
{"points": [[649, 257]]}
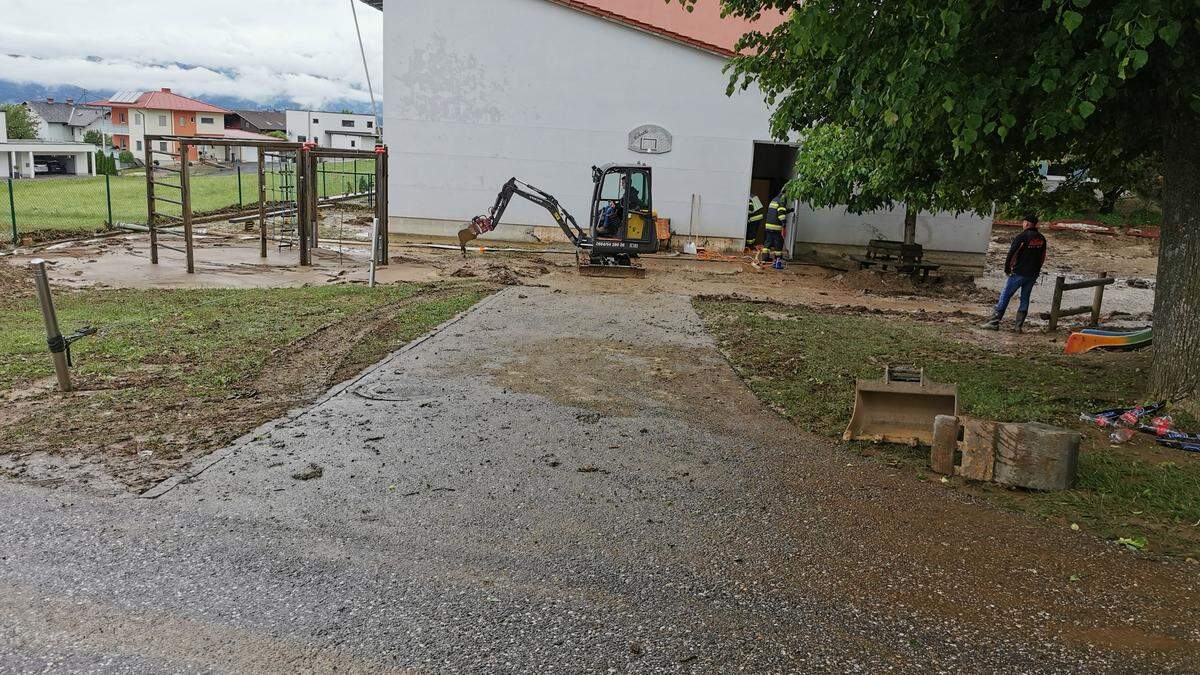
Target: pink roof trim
{"points": [[704, 27]]}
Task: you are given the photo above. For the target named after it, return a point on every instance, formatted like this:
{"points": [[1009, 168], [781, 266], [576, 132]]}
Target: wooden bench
{"points": [[904, 258]]}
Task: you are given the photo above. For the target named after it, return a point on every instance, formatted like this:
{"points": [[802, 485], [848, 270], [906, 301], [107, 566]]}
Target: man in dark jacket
{"points": [[1023, 265]]}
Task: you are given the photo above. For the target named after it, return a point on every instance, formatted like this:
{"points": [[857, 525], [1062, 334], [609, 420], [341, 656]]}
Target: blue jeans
{"points": [[1016, 283]]}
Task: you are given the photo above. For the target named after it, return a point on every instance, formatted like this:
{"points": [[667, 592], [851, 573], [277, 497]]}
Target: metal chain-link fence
{"points": [[43, 208]]}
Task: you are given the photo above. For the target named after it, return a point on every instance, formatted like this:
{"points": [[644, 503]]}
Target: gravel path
{"points": [[565, 482]]}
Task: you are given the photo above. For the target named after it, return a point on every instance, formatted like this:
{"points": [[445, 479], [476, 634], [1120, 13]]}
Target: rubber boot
{"points": [[992, 323], [1020, 322]]}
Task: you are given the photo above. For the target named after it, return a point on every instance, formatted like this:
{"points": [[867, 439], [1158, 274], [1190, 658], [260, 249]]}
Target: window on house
{"points": [[352, 144], [193, 118], [139, 146], [137, 117], [181, 122], [162, 145], [122, 117], [162, 120], [206, 120], [348, 123], [370, 124], [316, 121], [301, 138]]}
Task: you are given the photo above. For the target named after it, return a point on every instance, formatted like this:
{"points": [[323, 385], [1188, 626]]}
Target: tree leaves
{"points": [[1071, 20], [1086, 108]]}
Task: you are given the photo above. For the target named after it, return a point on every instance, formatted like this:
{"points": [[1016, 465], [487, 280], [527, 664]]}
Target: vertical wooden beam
{"points": [[262, 203], [185, 185], [149, 159], [1056, 306], [303, 204], [1098, 300], [381, 210]]}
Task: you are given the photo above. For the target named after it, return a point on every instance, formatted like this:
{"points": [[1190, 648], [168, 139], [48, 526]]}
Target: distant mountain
{"points": [[15, 92]]}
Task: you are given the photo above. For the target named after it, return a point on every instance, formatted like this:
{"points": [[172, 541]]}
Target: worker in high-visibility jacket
{"points": [[754, 218], [776, 216]]}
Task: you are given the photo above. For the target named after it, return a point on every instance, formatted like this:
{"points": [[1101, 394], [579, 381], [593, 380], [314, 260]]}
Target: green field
{"points": [[71, 204]]}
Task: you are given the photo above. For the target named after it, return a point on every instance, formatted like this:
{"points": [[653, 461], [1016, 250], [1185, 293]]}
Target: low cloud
{"points": [[304, 50]]}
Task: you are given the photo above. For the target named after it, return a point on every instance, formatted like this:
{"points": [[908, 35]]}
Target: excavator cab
{"points": [[622, 222]]}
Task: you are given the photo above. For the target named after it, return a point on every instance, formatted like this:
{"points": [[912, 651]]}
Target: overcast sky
{"points": [[305, 50]]}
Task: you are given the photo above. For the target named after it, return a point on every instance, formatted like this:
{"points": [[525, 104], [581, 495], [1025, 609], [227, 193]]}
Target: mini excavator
{"points": [[621, 222]]}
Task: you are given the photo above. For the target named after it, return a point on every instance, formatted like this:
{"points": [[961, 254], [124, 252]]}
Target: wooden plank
{"points": [[1103, 280]]}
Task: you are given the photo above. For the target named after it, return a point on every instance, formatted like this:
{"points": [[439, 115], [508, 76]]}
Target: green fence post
{"points": [[108, 198], [239, 177], [12, 211]]}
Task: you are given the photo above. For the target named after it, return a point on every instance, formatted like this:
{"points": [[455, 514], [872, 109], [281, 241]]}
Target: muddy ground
{"points": [[228, 256]]}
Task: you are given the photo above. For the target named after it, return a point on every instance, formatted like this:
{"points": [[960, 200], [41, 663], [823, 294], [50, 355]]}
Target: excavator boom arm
{"points": [[517, 187]]}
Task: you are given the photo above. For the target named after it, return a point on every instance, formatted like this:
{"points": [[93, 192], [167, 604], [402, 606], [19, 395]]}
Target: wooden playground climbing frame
{"points": [[306, 158]]}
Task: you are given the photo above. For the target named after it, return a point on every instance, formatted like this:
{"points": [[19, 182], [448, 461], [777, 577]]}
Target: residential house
{"points": [[64, 120], [135, 115], [342, 131], [256, 121], [25, 158], [473, 101]]}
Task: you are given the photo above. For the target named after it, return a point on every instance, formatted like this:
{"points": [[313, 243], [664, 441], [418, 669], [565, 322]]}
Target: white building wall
{"points": [[327, 128], [215, 124], [962, 233], [474, 98]]}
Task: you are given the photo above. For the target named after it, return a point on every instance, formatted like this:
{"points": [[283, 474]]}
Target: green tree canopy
{"points": [[949, 104], [18, 122]]}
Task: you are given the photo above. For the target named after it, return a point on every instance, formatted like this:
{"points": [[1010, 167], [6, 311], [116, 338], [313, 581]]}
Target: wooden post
{"points": [[262, 204], [381, 214], [186, 206], [302, 204], [1098, 300], [1057, 304], [149, 159]]}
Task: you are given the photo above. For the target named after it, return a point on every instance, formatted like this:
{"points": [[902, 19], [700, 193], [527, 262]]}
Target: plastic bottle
{"points": [[1097, 419], [1130, 417], [1121, 436]]}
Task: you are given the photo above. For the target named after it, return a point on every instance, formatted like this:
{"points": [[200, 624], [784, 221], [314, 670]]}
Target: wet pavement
{"points": [[564, 482]]}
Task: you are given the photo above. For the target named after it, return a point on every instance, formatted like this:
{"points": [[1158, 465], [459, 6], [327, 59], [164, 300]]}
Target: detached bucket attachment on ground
{"points": [[900, 407]]}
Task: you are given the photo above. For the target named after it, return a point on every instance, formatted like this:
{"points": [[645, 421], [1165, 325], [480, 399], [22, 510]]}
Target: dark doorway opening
{"points": [[774, 166]]}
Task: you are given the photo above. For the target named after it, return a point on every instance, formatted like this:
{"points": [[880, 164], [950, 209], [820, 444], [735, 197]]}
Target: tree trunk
{"points": [[1176, 369], [910, 225]]}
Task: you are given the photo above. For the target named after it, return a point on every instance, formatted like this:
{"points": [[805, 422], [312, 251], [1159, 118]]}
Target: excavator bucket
{"points": [[900, 407], [466, 236]]}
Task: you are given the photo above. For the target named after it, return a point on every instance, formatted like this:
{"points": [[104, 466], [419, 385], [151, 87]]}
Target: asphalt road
{"points": [[564, 482]]}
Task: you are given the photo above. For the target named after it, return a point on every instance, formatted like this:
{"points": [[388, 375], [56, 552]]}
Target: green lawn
{"points": [[68, 203], [804, 362], [179, 372]]}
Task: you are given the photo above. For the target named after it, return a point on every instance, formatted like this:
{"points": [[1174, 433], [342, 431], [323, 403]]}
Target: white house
{"points": [[482, 90], [25, 158], [65, 120], [343, 131]]}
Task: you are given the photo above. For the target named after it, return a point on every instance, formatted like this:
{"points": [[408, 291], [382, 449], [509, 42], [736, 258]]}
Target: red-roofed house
{"points": [[138, 114], [482, 90]]}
